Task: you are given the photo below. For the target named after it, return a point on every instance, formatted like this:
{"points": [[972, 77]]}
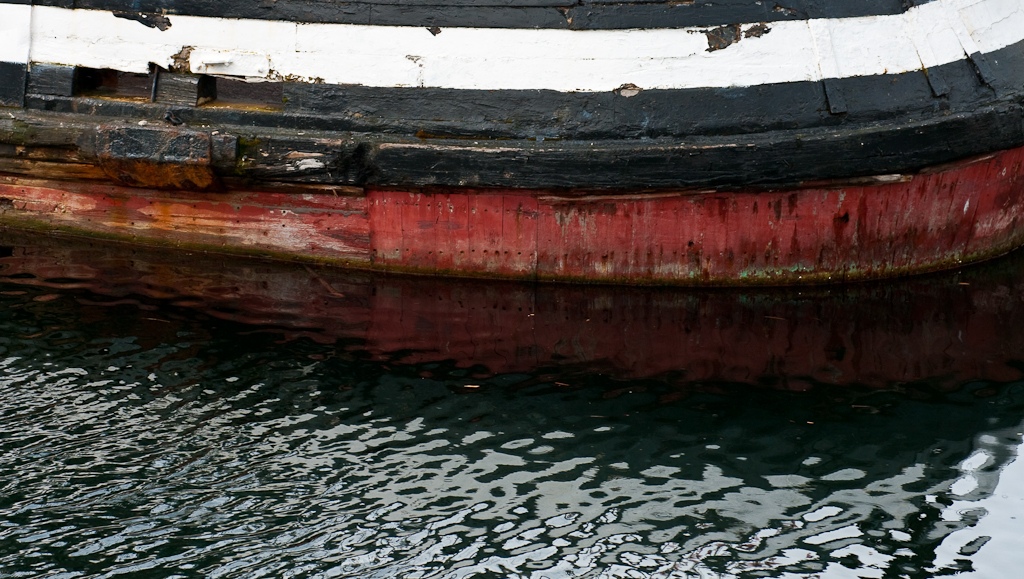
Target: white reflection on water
{"points": [[994, 543]]}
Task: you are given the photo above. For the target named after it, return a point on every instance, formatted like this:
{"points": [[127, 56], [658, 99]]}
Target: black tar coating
{"points": [[566, 14], [625, 114], [772, 135], [771, 158]]}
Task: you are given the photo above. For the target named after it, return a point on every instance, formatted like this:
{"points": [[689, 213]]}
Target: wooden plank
{"points": [[51, 79], [452, 239], [518, 248], [184, 89], [51, 169], [319, 226], [12, 84]]}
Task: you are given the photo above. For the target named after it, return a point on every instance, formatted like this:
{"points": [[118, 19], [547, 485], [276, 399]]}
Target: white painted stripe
{"points": [[824, 48], [928, 35], [15, 24]]}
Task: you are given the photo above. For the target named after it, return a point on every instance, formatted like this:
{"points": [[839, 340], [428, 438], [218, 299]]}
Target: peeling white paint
{"points": [[928, 35], [229, 62], [308, 164]]}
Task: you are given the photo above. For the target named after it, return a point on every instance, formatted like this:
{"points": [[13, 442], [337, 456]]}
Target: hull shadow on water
{"points": [[203, 416]]}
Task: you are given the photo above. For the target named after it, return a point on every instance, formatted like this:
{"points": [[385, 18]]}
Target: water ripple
{"points": [[147, 439]]}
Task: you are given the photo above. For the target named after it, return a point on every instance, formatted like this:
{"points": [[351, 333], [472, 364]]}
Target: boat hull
{"points": [[831, 231], [656, 142]]}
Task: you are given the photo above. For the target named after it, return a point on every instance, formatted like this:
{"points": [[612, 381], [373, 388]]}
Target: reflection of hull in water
{"points": [[396, 479], [948, 328], [449, 484]]}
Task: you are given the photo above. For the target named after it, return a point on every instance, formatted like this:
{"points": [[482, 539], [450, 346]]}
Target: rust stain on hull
{"points": [[156, 158], [828, 232], [823, 233]]}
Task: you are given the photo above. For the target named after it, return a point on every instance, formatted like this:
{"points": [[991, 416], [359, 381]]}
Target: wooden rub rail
{"points": [[827, 232]]}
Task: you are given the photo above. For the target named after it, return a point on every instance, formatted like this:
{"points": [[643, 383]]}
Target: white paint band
{"points": [[928, 35], [15, 26]]}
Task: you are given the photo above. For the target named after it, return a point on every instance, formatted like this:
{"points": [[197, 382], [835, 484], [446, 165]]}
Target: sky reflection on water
{"points": [[148, 433]]}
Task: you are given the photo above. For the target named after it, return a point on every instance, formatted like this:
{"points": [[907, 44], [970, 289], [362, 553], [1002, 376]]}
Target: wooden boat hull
{"points": [[641, 143], [829, 232]]}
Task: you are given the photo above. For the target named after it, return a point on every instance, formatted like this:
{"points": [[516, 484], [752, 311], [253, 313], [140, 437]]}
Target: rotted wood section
{"points": [[828, 232]]}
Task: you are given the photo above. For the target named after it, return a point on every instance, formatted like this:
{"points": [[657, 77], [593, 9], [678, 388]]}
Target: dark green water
{"points": [[191, 428]]}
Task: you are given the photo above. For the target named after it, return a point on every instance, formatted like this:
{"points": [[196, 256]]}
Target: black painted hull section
{"points": [[12, 84], [556, 14], [765, 135], [772, 158]]}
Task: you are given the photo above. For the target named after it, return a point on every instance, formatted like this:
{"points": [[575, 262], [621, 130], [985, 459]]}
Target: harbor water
{"points": [[167, 415]]}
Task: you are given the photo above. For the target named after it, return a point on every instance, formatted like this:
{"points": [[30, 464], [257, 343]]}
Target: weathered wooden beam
{"points": [[12, 84], [51, 169], [159, 158], [52, 79], [184, 89]]}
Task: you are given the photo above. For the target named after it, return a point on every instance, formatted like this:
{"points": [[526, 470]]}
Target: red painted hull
{"points": [[829, 232]]}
